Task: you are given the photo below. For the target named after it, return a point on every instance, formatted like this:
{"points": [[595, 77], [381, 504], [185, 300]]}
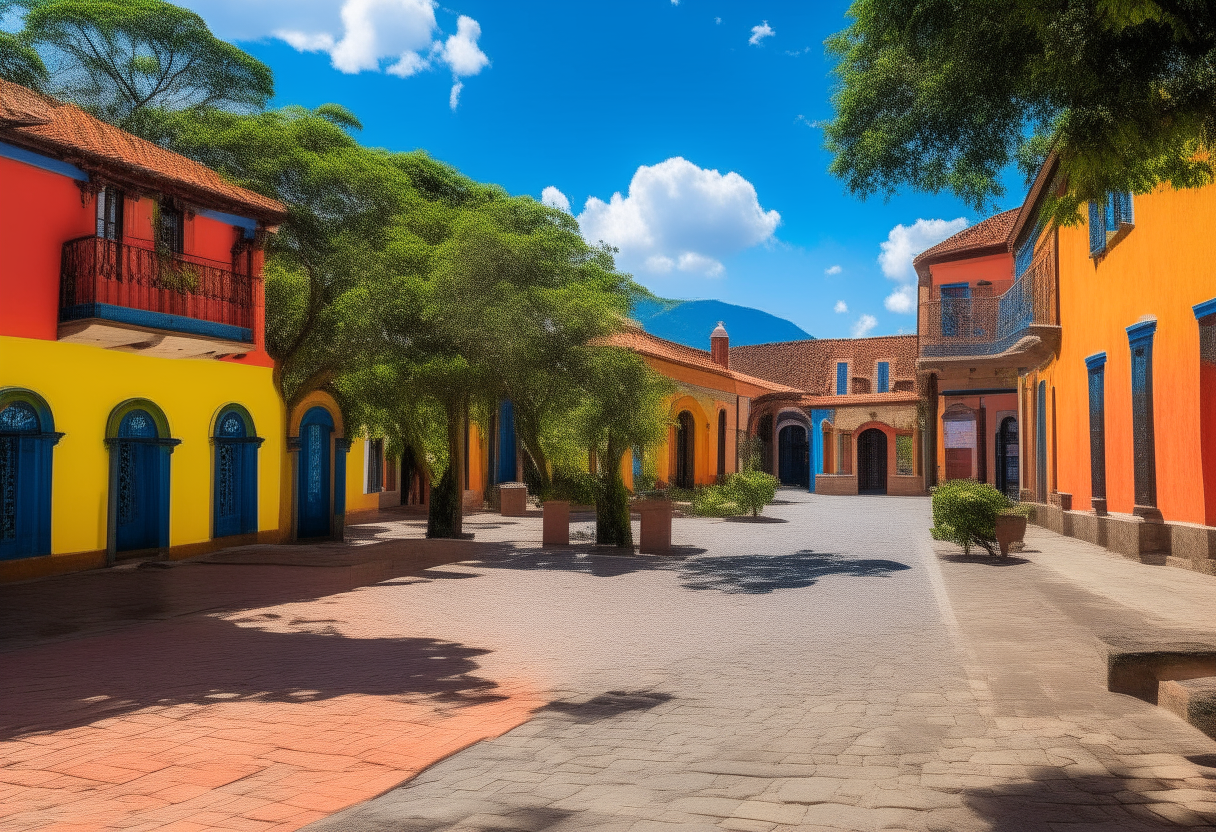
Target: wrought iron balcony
{"points": [[117, 295], [1009, 325]]}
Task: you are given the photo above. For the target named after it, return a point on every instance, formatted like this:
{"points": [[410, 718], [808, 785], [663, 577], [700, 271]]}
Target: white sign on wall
{"points": [[960, 434]]}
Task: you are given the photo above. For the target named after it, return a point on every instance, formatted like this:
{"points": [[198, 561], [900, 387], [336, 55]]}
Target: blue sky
{"points": [[591, 98]]}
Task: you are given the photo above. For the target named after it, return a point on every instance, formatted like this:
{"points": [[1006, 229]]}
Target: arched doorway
{"points": [[793, 453], [721, 445], [1007, 457], [27, 435], [140, 448], [685, 445], [872, 462], [313, 486], [236, 473]]}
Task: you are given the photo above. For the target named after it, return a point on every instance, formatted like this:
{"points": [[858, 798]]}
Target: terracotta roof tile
{"points": [[643, 343], [810, 366], [990, 233], [67, 132]]}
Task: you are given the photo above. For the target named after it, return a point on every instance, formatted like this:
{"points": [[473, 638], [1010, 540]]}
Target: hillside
{"points": [[689, 322]]}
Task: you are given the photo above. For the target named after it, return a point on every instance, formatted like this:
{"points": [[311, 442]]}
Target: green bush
{"points": [[752, 490], [576, 486], [714, 501], [964, 512]]}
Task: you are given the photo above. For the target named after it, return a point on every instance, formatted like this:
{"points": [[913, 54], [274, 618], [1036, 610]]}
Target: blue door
{"points": [[25, 482], [314, 481], [142, 484], [236, 476], [956, 310]]}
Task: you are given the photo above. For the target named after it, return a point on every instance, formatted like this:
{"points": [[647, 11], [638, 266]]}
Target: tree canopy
{"points": [[123, 60], [943, 95]]}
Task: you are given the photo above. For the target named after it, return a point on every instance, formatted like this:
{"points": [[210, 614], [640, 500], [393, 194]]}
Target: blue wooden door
{"points": [[25, 483], [236, 472], [314, 480], [142, 483]]}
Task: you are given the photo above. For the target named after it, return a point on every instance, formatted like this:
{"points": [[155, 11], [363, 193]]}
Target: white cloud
{"points": [[454, 95], [863, 326], [902, 300], [833, 270], [902, 245], [554, 198], [841, 307], [718, 21], [678, 215], [400, 37], [761, 32]]}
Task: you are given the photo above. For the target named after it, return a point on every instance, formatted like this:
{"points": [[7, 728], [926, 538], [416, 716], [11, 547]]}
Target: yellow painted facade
{"points": [[83, 384]]}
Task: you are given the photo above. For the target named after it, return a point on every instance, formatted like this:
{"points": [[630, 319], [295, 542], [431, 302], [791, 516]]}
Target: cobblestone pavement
{"points": [[824, 668], [827, 670]]}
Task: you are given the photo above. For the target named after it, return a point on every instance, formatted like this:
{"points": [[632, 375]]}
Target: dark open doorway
{"points": [[872, 462], [685, 428], [793, 456]]}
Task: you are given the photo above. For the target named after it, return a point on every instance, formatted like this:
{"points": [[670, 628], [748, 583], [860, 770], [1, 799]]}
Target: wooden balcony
{"points": [[120, 296], [1009, 331]]}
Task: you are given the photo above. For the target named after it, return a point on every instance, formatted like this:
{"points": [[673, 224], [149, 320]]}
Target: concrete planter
{"points": [[656, 525], [1010, 528], [555, 526]]}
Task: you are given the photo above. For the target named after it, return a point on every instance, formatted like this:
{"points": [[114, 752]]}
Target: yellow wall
{"points": [[83, 384]]}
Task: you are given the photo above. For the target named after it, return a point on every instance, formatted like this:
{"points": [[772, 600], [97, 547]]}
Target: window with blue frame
{"points": [[1144, 445], [1108, 219], [1096, 365], [842, 378], [884, 376]]}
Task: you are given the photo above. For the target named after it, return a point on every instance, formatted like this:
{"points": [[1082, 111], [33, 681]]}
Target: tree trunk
{"points": [[445, 517], [612, 526]]}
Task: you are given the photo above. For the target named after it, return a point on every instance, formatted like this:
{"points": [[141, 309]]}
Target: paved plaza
{"points": [[825, 667]]}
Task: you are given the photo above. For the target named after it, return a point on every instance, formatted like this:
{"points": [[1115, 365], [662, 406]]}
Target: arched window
{"points": [[721, 445], [236, 473], [140, 446], [27, 436], [685, 448]]}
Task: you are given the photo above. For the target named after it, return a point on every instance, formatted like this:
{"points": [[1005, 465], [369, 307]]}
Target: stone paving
{"points": [[825, 668]]}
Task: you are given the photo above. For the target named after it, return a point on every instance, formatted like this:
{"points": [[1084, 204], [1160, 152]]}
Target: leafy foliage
{"points": [[965, 511], [126, 60], [19, 62], [944, 94], [752, 490]]}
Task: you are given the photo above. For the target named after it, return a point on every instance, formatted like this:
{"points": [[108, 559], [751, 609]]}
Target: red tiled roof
{"points": [[68, 133], [810, 366], [991, 233], [641, 342]]}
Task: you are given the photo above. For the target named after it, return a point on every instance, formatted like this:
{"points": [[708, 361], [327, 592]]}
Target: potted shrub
{"points": [[965, 512], [1010, 527]]}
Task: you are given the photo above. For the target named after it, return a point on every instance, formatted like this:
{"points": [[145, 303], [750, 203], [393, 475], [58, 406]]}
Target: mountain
{"points": [[689, 322]]}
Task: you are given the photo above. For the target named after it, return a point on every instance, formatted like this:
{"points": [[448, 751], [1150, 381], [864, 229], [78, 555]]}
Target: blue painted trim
{"points": [[818, 417], [1141, 333], [1202, 310], [966, 286], [250, 226], [156, 320], [48, 163], [506, 442], [1095, 361]]}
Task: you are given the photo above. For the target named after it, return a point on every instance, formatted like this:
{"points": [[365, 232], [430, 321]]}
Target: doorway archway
{"points": [[235, 497], [315, 510], [793, 456], [685, 446], [872, 462], [1007, 457], [140, 447]]}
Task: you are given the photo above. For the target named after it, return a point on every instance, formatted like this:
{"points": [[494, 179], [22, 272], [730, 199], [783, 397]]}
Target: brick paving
{"points": [[826, 668]]}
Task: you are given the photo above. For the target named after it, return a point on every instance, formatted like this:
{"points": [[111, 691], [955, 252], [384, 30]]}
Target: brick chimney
{"points": [[719, 346]]}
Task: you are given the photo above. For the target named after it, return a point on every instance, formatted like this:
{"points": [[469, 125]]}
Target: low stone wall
{"points": [[906, 485], [1185, 545], [836, 484]]}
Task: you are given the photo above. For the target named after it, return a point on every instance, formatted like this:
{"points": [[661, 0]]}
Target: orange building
{"points": [[982, 319], [708, 412], [847, 421]]}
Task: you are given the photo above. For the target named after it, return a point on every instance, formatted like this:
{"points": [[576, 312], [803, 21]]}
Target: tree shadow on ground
{"points": [[204, 660], [985, 560], [607, 705], [731, 574], [749, 519], [1051, 800]]}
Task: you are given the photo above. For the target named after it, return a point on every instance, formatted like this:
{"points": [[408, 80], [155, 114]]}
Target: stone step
{"points": [[1137, 666], [1193, 700]]}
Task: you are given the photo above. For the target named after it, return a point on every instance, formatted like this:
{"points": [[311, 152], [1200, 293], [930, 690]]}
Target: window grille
{"points": [[884, 376], [1108, 219], [109, 213], [903, 454], [375, 465], [172, 230], [842, 378], [1140, 339]]}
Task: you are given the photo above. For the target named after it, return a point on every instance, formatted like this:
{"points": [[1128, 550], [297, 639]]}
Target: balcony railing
{"points": [[98, 275], [991, 325]]}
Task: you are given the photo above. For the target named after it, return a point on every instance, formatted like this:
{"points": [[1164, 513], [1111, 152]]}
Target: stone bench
{"points": [[1193, 700], [1139, 669]]}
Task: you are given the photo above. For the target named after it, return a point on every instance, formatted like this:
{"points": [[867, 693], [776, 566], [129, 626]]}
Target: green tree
{"points": [[943, 95], [126, 60], [19, 62], [623, 405]]}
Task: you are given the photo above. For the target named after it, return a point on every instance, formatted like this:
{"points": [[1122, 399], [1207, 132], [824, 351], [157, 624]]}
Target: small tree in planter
{"points": [[752, 490], [965, 512]]}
